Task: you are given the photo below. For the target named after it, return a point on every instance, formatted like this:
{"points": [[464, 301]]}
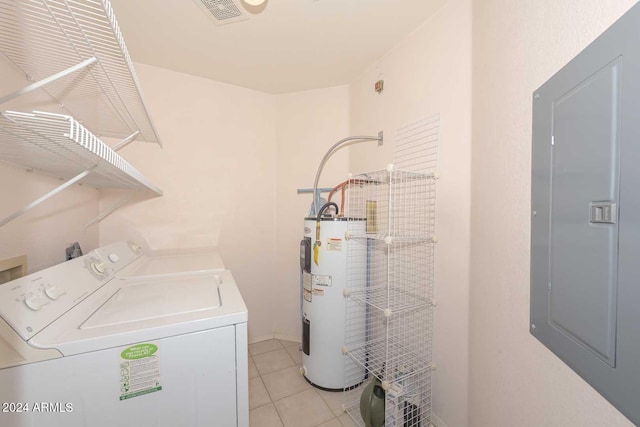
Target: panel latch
{"points": [[603, 213]]}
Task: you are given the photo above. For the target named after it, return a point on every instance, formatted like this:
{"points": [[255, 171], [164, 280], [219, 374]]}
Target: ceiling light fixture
{"points": [[254, 6]]}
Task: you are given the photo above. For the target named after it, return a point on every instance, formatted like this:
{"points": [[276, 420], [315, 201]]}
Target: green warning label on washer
{"points": [[139, 370]]}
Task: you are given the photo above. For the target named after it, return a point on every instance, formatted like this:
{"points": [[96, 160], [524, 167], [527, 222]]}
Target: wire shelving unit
{"points": [[45, 37], [75, 52], [60, 146], [389, 297]]}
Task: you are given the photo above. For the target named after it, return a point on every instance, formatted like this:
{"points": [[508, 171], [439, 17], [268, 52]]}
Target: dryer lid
{"points": [[171, 263]]}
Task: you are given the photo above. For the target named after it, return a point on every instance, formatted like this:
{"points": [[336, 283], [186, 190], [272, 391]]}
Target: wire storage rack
{"points": [[60, 146], [75, 52], [389, 297], [45, 37]]}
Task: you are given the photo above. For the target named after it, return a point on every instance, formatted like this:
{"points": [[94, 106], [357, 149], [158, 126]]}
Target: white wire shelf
{"points": [[393, 299], [400, 408], [392, 239], [59, 146], [44, 37], [405, 270], [406, 377], [398, 206], [380, 357]]}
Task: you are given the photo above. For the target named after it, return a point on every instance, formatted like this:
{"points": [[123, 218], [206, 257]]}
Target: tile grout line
{"points": [[274, 372], [274, 403], [260, 375], [273, 351], [297, 365], [268, 351]]}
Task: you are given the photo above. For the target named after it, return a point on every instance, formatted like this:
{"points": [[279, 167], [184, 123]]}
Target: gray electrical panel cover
{"points": [[585, 227]]}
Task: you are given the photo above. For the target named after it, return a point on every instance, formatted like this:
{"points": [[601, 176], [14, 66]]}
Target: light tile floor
{"points": [[280, 397]]}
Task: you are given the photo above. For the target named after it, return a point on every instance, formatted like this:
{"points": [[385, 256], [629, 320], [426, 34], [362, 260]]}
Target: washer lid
{"points": [[148, 300], [124, 312]]}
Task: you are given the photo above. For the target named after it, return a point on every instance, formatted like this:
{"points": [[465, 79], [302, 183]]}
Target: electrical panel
{"points": [[585, 227]]}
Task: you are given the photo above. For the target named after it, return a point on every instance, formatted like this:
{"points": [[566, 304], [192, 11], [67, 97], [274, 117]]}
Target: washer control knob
{"points": [[99, 267], [135, 248], [35, 302], [54, 292]]}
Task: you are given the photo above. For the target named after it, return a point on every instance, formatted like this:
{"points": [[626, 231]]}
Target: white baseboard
{"points": [[261, 338], [292, 338], [437, 422]]}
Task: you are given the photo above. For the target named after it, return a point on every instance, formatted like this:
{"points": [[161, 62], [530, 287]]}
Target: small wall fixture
{"points": [[379, 86]]}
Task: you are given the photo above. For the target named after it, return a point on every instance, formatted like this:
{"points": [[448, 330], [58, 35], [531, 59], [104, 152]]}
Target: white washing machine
{"points": [[82, 347]]}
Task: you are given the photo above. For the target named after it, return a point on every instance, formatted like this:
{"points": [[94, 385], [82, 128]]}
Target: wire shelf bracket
{"points": [[47, 80], [128, 140], [109, 211], [45, 197]]}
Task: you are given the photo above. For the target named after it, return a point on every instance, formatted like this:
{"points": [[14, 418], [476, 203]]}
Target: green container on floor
{"points": [[372, 404]]}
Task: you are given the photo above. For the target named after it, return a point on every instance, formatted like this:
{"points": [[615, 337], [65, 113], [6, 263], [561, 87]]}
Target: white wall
{"points": [[515, 380], [218, 173], [44, 232], [308, 123], [428, 73]]}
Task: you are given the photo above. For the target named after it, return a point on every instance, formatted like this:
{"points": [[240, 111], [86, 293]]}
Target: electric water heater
{"points": [[324, 278]]}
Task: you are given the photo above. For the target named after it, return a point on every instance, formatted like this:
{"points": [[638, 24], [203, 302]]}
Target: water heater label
{"points": [[319, 280], [139, 370], [306, 286], [334, 244]]}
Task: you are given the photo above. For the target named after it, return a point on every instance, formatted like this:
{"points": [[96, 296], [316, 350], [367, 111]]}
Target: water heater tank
{"points": [[323, 303]]}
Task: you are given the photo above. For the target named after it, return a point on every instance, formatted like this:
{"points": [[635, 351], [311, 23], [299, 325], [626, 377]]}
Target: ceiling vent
{"points": [[223, 12]]}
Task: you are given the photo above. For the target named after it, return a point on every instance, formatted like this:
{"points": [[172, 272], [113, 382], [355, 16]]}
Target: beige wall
{"points": [[429, 73], [44, 232], [218, 173], [232, 161], [308, 123], [515, 380]]}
